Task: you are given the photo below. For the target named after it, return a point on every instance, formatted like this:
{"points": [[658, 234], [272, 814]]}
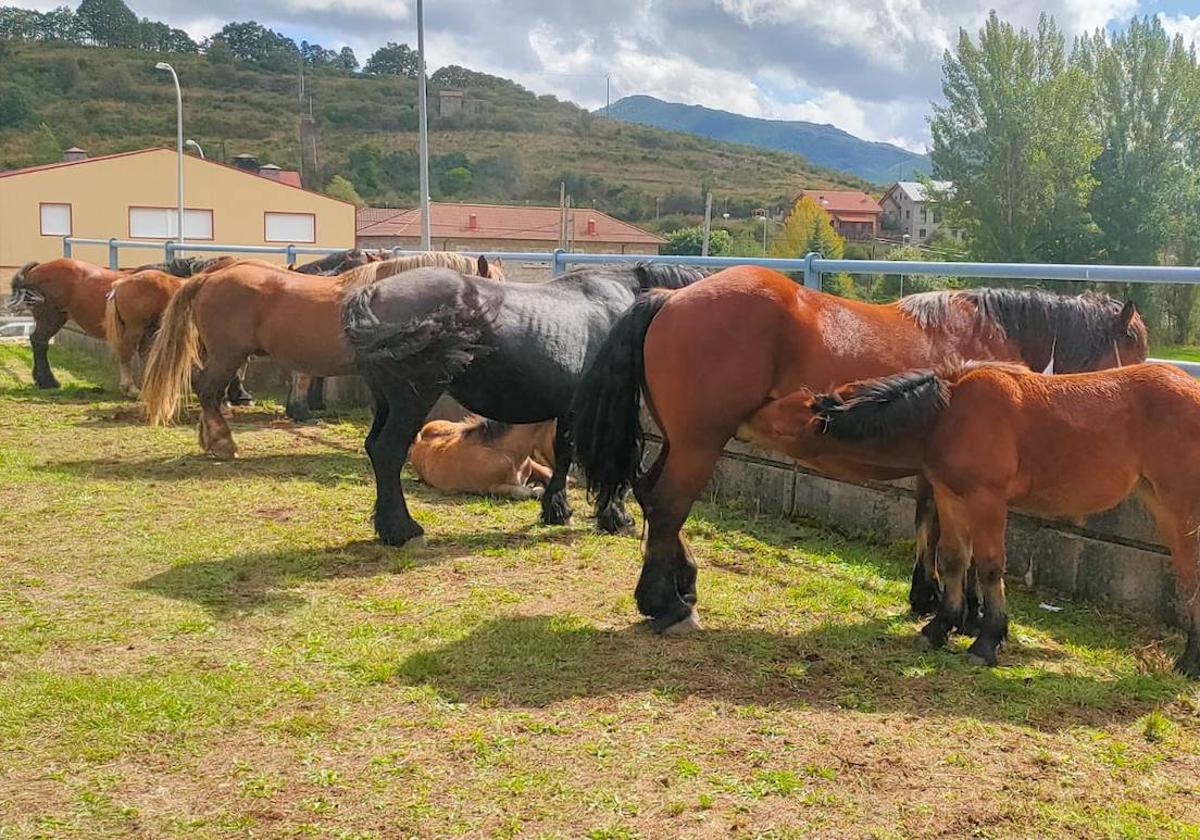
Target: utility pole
{"points": [[423, 146], [607, 94], [562, 215], [707, 223]]}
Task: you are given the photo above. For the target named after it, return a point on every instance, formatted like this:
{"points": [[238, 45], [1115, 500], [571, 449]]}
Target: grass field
{"points": [[197, 649], [1182, 352]]}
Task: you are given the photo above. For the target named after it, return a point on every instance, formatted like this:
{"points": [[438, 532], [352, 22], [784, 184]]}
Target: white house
{"points": [[907, 210]]}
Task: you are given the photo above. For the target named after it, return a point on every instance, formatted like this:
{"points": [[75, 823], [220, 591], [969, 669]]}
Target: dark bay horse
{"points": [[987, 436], [252, 308], [511, 352], [710, 355]]}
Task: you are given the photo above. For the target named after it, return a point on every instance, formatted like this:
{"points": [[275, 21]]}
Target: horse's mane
{"points": [[483, 429], [333, 263], [1079, 327], [370, 273], [883, 408], [23, 271], [639, 277]]}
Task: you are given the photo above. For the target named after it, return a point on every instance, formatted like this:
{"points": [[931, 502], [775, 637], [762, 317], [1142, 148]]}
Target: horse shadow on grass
{"points": [[327, 468], [270, 581], [867, 666]]}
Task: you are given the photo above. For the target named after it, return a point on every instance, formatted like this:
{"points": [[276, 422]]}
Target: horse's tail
{"points": [[882, 409], [606, 427], [114, 327], [175, 352]]}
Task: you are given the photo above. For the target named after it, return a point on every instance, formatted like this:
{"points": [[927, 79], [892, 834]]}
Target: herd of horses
{"points": [[989, 398]]}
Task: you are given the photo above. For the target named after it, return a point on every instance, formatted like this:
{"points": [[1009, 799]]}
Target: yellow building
{"points": [[132, 195]]}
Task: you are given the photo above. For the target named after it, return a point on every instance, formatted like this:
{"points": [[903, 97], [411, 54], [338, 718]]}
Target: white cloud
{"points": [[1188, 27]]}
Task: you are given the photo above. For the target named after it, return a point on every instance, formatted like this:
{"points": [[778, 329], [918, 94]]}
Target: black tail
{"points": [[426, 350], [881, 409], [607, 429]]}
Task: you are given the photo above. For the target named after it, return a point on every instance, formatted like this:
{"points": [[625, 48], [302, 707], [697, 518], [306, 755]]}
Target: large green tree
{"points": [[109, 23], [394, 59], [1014, 138]]}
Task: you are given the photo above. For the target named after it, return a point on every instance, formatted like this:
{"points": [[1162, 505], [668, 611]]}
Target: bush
{"points": [[16, 106]]}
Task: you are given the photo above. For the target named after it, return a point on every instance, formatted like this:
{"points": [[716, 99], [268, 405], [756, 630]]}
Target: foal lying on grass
{"points": [[485, 456], [990, 435]]}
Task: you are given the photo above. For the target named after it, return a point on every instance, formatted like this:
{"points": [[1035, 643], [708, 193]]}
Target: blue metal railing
{"points": [[812, 265]]}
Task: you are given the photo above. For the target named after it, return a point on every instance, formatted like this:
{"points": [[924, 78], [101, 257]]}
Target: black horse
{"points": [[511, 352]]}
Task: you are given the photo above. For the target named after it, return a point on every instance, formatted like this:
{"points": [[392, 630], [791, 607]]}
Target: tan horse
{"points": [[135, 304], [485, 456], [254, 308]]}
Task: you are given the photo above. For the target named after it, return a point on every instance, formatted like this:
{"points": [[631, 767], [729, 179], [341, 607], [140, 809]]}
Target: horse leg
{"points": [[666, 588], [953, 556], [210, 385], [555, 509], [236, 393], [1181, 533], [924, 594], [316, 393], [989, 521], [297, 399], [130, 341], [48, 322], [399, 414]]}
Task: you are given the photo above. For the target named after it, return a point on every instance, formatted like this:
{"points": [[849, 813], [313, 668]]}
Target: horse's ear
{"points": [[481, 266], [1125, 319]]}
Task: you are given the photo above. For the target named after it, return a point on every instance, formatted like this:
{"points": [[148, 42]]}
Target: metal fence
{"points": [[812, 266]]}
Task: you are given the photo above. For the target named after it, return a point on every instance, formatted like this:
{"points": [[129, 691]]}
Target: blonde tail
{"points": [[175, 352], [114, 327]]}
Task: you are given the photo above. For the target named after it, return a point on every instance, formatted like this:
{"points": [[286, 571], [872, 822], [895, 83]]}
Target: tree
{"points": [[15, 105], [251, 41], [345, 60], [393, 59], [455, 181], [46, 148], [66, 74], [1015, 140], [690, 241], [808, 228], [339, 187], [109, 23]]}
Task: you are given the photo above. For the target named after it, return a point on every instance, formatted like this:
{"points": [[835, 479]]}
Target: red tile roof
{"points": [[501, 221], [839, 202]]}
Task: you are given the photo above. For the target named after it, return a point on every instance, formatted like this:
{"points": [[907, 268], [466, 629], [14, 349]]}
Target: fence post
{"points": [[66, 246], [558, 265], [168, 250], [114, 258], [812, 277], [396, 249], [291, 254]]}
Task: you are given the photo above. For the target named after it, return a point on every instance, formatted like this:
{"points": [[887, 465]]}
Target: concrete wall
{"points": [[1114, 558]]}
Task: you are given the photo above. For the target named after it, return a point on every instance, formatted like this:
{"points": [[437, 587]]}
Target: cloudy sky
{"points": [[870, 67]]}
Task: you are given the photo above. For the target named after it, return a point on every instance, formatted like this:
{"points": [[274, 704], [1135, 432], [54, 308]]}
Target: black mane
{"points": [[484, 429], [334, 263], [641, 276], [881, 409], [1077, 329]]}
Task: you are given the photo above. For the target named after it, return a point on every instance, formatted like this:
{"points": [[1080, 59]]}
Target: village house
{"points": [[855, 214], [497, 228], [908, 211]]}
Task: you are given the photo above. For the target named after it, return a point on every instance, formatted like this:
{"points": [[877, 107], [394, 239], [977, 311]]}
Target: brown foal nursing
{"points": [[987, 436]]}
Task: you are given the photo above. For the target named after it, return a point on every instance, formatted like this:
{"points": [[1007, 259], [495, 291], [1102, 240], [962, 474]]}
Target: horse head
{"points": [[24, 293], [493, 269]]}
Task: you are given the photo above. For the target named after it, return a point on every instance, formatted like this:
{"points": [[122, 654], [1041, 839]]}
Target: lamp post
{"points": [[195, 146], [162, 65], [423, 145]]}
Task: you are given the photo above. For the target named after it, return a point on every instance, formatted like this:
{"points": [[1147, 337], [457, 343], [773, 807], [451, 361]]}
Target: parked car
{"points": [[15, 332]]}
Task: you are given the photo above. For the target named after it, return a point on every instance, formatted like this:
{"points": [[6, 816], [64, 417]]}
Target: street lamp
{"points": [[162, 65], [195, 146], [423, 144]]}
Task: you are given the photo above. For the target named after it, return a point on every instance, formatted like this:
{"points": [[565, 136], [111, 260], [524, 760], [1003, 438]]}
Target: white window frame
{"points": [[190, 214], [42, 218], [288, 240]]}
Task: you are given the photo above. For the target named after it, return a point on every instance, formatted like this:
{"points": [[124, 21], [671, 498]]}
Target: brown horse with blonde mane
{"points": [[221, 318], [710, 355], [987, 436]]}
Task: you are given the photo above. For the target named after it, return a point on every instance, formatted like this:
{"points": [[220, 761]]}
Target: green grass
{"points": [[1180, 352], [197, 649]]}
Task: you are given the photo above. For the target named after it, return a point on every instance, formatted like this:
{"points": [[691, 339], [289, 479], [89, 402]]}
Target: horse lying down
{"points": [[484, 456], [987, 436]]}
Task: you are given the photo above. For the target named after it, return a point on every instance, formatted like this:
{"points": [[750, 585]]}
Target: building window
{"points": [[937, 217], [291, 227], [56, 219], [924, 216], [908, 214], [163, 223], [921, 234]]}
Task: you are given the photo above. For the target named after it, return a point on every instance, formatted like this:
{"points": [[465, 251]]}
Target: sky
{"points": [[870, 67]]}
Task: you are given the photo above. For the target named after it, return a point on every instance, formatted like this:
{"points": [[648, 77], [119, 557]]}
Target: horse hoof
{"points": [[689, 625], [978, 661], [306, 421], [48, 385]]}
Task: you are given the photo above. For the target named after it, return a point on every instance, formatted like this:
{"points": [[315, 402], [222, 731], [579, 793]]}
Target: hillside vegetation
{"points": [[824, 145], [54, 95]]}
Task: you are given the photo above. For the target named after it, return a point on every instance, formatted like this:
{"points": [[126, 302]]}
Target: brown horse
{"points": [[485, 456], [710, 355], [135, 303], [254, 308], [987, 436]]}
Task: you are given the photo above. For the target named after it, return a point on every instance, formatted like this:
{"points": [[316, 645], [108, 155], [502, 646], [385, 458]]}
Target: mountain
{"points": [[506, 144], [822, 145]]}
